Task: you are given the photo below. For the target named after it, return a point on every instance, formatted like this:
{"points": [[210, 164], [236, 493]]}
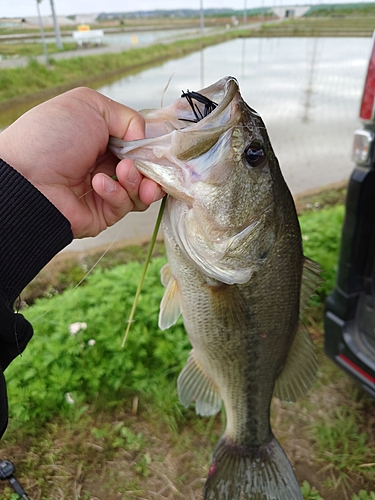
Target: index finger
{"points": [[122, 121]]}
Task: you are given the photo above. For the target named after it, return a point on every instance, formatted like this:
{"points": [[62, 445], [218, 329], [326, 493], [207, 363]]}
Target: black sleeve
{"points": [[32, 231]]}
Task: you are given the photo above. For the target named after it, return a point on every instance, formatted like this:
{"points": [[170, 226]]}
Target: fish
{"points": [[237, 274]]}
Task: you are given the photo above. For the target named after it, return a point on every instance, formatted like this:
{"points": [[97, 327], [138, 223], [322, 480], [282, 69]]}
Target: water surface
{"points": [[307, 90]]}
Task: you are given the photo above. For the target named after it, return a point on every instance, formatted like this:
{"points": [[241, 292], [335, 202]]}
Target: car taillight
{"points": [[367, 105]]}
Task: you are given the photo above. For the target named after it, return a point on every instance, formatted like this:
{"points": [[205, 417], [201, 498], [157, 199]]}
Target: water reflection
{"points": [[310, 82]]}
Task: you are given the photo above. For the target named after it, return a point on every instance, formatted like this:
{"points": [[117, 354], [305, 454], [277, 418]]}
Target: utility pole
{"points": [[42, 33], [202, 17], [56, 26], [245, 12]]}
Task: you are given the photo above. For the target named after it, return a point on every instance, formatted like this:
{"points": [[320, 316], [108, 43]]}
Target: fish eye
{"points": [[254, 154]]}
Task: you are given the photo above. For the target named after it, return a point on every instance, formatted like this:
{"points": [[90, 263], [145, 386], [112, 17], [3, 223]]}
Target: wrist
{"points": [[32, 231]]}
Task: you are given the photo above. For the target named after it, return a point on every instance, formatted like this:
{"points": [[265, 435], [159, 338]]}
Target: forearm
{"points": [[32, 231]]}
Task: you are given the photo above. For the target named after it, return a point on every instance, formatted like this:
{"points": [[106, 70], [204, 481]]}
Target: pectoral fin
{"points": [[170, 309], [194, 385], [300, 369], [165, 274]]}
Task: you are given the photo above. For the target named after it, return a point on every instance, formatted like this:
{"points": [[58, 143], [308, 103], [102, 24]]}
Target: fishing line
{"points": [[82, 280], [165, 89]]}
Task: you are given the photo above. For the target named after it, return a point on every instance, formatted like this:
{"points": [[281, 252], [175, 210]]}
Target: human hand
{"points": [[60, 146]]}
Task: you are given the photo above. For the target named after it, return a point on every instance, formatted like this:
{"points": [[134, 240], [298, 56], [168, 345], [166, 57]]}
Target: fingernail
{"points": [[108, 185], [133, 175]]}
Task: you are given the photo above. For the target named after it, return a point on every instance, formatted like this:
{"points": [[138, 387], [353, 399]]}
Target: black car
{"points": [[350, 308]]}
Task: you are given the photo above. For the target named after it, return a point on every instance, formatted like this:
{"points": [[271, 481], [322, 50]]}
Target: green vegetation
{"points": [[309, 492], [342, 445], [30, 49], [90, 364], [319, 27], [321, 231], [350, 9], [364, 495]]}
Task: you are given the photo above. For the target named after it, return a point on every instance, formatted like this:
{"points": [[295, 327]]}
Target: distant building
{"points": [[85, 18], [290, 11], [48, 20]]}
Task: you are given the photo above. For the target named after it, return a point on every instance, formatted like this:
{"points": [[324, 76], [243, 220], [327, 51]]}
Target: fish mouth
{"points": [[181, 132]]}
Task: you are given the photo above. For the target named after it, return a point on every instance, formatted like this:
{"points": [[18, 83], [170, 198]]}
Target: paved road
{"points": [[113, 49]]}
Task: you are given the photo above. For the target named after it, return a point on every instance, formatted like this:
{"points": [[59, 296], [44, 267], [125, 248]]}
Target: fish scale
{"points": [[237, 274]]}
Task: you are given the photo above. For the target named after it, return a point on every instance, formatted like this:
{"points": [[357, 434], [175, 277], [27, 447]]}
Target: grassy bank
{"points": [[320, 27], [90, 420], [17, 84]]}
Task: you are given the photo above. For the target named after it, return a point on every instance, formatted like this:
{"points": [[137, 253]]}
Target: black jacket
{"points": [[32, 231]]}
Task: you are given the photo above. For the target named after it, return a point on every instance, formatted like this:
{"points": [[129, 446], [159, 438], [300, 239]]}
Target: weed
{"points": [[309, 492], [61, 371], [141, 467], [341, 445], [321, 233], [364, 495]]}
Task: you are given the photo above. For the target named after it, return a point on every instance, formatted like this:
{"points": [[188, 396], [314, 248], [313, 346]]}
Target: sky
{"points": [[24, 8]]}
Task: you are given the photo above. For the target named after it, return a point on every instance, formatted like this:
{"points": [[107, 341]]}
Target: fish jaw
{"points": [[174, 144]]}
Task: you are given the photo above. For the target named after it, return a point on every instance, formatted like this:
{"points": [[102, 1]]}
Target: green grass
{"points": [[31, 49], [351, 10], [364, 495], [341, 443], [58, 363], [320, 27], [309, 492], [321, 234]]}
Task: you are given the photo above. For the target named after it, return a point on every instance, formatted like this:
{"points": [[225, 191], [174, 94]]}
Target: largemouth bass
{"points": [[237, 273]]}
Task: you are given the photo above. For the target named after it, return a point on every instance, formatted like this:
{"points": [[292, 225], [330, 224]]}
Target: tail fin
{"points": [[237, 473]]}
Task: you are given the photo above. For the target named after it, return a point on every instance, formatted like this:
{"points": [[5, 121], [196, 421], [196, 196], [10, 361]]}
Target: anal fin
{"points": [[300, 369], [194, 385], [311, 277]]}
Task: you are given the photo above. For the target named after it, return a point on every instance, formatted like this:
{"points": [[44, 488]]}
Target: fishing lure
{"points": [[209, 105]]}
